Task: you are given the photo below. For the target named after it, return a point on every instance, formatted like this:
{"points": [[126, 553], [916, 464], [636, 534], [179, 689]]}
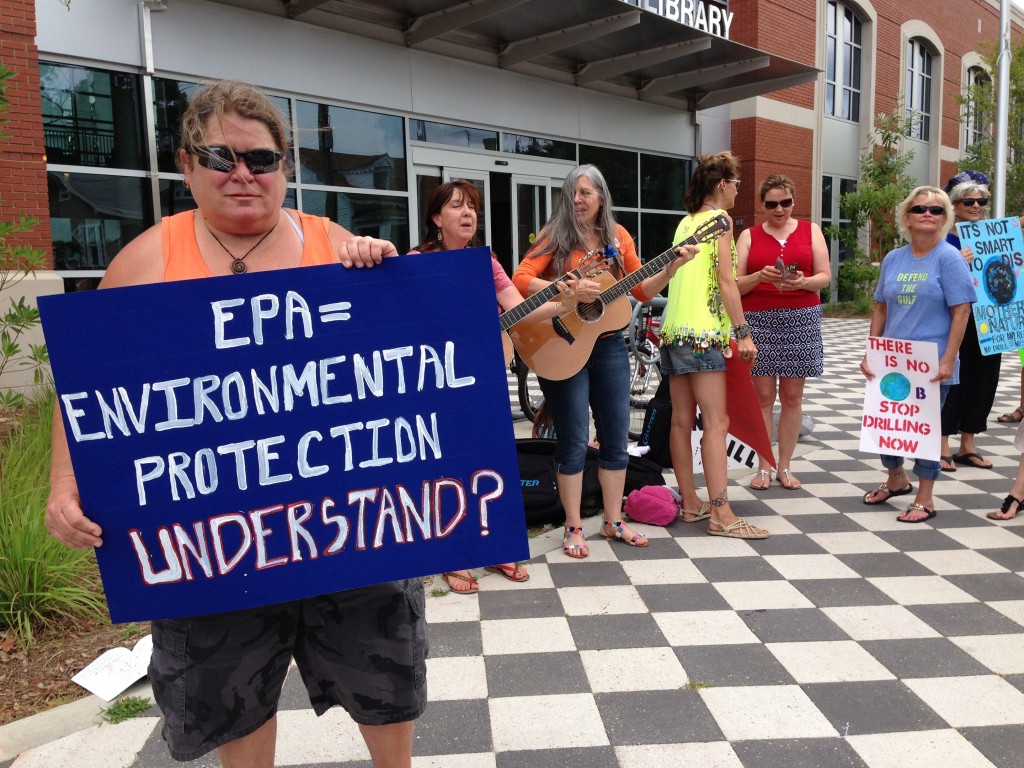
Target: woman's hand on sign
{"points": [[65, 519], [364, 251], [945, 372], [868, 373]]}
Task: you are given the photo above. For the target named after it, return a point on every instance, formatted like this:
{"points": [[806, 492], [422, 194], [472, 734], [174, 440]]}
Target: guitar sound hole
{"points": [[590, 312]]}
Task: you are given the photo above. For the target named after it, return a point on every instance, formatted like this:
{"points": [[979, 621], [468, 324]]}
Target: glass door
{"points": [[531, 207]]}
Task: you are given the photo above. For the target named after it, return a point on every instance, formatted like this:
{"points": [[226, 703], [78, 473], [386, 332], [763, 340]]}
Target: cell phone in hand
{"points": [[788, 270]]}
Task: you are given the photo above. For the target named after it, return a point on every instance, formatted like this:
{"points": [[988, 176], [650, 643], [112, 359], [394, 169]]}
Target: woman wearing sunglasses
{"points": [[969, 403], [924, 293], [781, 267], [703, 312], [233, 146]]}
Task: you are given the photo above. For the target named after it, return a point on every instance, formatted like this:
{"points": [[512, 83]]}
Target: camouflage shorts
{"points": [[218, 678]]}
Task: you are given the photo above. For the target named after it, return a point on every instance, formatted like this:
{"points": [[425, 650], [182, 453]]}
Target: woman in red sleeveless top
{"points": [[783, 263]]}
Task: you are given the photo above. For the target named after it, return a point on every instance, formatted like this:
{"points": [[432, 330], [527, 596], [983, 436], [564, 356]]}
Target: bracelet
{"points": [[741, 331]]}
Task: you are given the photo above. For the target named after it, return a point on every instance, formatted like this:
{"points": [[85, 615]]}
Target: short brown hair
{"points": [[777, 181], [230, 97]]}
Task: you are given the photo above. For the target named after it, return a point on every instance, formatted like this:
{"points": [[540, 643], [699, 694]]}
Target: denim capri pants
{"points": [[602, 386]]}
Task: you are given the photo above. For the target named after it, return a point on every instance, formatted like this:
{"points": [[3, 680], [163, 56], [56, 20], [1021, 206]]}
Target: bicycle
{"points": [[527, 388], [643, 343]]}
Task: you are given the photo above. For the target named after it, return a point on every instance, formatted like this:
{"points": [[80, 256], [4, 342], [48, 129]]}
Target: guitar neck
{"points": [[651, 268], [512, 316]]}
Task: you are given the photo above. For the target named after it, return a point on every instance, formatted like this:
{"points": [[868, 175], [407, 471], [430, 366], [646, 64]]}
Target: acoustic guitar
{"points": [[560, 348], [589, 267]]}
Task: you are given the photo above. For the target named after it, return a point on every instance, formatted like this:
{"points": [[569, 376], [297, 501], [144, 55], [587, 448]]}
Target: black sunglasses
{"points": [[934, 210], [224, 159], [771, 205], [970, 201]]}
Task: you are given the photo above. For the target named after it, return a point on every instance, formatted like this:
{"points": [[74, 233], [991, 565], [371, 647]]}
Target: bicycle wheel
{"points": [[530, 396], [644, 382]]}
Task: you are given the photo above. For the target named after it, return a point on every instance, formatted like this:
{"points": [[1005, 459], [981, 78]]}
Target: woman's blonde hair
{"points": [[941, 198], [230, 97]]}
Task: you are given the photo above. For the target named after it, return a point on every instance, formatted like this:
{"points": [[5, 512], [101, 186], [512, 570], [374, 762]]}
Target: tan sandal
{"points": [[741, 529], [690, 516]]}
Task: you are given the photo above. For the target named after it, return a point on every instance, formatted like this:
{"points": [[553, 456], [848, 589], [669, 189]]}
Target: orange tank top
{"points": [[183, 260]]}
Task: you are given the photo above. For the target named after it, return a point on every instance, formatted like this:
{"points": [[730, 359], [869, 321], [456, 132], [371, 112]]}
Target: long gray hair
{"points": [[563, 233]]}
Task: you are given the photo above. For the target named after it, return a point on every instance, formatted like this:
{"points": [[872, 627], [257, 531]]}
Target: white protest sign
{"points": [[902, 413], [116, 670]]}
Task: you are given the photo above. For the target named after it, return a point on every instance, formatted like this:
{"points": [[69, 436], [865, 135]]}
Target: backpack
{"points": [[541, 502], [642, 471], [654, 505], [657, 426]]}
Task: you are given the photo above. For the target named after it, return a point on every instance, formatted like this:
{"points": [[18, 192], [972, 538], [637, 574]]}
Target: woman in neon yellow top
{"points": [[703, 302]]}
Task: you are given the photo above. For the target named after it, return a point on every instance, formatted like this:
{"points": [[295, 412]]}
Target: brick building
{"points": [[387, 98]]}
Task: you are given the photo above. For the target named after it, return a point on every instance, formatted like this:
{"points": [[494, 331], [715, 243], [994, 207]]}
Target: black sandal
{"points": [[889, 492], [1005, 508]]}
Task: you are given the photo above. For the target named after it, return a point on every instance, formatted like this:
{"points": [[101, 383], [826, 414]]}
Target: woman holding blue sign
{"points": [[217, 678], [924, 293], [969, 403]]}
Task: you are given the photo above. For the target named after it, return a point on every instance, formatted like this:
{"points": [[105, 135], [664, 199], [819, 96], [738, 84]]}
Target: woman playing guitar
{"points": [[582, 224]]}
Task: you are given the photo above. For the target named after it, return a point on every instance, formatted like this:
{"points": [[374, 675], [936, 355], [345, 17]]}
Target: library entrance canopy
{"points": [[669, 52]]}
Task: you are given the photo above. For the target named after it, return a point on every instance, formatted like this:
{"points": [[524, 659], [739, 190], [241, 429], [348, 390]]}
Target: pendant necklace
{"points": [[238, 263]]}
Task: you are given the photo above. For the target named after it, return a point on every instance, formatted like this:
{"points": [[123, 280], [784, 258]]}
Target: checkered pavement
{"points": [[846, 639]]}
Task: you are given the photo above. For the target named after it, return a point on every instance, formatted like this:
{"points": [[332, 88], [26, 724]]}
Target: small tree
{"points": [[980, 109], [16, 263]]}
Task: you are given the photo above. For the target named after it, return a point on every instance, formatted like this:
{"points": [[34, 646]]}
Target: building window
{"points": [[94, 216], [843, 51], [91, 117], [520, 144], [343, 147], [918, 94], [976, 122], [833, 189], [619, 168], [453, 135]]}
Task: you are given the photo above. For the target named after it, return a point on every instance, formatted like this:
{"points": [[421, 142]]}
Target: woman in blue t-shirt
{"points": [[924, 293]]}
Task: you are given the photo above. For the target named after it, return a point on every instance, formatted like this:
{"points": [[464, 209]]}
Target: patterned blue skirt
{"points": [[788, 342]]}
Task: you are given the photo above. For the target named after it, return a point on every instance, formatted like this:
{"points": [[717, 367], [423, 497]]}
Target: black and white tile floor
{"points": [[846, 639]]}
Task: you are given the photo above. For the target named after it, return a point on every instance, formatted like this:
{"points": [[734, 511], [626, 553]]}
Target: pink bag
{"points": [[652, 504]]}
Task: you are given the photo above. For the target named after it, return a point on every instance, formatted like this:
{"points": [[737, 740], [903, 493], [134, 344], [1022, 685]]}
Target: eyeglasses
{"points": [[771, 205], [934, 210], [735, 181], [224, 159], [969, 202]]}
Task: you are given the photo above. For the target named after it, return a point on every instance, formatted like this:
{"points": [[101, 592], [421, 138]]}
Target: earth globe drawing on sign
{"points": [[895, 386]]}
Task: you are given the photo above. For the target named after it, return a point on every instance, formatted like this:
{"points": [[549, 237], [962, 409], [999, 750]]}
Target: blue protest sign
{"points": [[254, 439], [996, 269]]}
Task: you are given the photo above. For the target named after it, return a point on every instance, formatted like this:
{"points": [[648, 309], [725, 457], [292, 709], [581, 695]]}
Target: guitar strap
{"points": [[621, 266]]}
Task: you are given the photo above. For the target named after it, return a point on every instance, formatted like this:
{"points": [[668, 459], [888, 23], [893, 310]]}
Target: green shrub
{"points": [[857, 277], [42, 582]]}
